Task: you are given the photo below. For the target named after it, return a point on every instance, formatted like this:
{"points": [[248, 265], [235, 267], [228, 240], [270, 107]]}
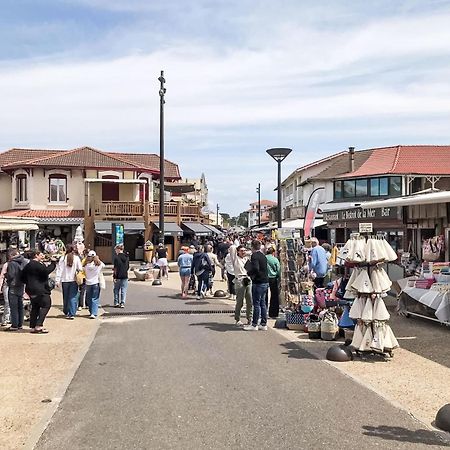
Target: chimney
{"points": [[351, 159]]}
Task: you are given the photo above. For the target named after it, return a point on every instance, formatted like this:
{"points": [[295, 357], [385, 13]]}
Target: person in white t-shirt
{"points": [[93, 269]]}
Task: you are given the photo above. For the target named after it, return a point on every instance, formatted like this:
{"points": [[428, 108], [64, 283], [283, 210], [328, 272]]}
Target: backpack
{"points": [[204, 262]]}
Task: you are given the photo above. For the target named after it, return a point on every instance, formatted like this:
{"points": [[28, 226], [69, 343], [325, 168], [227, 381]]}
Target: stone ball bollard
{"points": [[339, 353], [443, 418], [220, 293]]}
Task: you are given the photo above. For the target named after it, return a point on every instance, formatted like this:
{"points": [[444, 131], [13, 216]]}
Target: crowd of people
{"points": [[79, 273]]}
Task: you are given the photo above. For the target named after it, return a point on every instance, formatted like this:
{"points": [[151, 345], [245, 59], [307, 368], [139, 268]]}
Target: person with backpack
{"points": [[35, 275], [120, 276], [16, 288], [202, 268]]}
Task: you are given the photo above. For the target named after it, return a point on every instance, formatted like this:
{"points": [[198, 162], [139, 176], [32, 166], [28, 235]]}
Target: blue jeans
{"points": [[120, 291], [92, 298], [70, 298], [16, 309], [259, 292]]}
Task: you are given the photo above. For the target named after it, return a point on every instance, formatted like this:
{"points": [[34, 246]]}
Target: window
{"points": [[361, 188], [58, 188], [384, 187], [349, 188], [395, 186], [374, 187], [337, 189], [21, 188]]}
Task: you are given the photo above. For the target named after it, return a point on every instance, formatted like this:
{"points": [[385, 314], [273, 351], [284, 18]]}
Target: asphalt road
{"points": [[179, 381]]}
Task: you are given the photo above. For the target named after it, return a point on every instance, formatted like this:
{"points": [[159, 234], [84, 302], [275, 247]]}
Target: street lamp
{"points": [[217, 214], [258, 191], [162, 91], [279, 155]]}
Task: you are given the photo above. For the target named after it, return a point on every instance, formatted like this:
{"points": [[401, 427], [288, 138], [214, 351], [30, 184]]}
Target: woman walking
{"points": [[4, 288], [229, 268], [66, 271], [93, 268], [184, 264], [202, 268], [161, 262]]}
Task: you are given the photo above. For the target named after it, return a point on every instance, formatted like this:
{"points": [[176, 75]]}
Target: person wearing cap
{"points": [[121, 264], [318, 262], [92, 268]]}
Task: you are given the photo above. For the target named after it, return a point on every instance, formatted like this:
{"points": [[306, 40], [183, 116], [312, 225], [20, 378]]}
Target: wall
{"points": [[6, 190]]}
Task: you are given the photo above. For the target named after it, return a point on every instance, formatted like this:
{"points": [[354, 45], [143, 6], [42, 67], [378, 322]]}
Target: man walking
{"points": [[274, 272], [16, 288], [243, 283], [257, 270], [120, 276], [318, 262]]}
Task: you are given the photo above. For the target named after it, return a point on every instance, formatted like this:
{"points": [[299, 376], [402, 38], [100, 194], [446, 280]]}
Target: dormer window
{"points": [[21, 189], [57, 188]]}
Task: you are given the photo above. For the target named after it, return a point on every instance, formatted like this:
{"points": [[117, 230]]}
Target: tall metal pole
{"points": [[217, 214], [279, 194], [162, 91], [259, 203]]}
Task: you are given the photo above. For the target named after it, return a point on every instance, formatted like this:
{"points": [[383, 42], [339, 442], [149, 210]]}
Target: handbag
{"points": [[80, 277], [101, 280], [51, 283]]}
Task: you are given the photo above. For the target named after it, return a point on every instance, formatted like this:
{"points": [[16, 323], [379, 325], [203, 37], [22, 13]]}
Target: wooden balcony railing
{"points": [[171, 209], [119, 209]]}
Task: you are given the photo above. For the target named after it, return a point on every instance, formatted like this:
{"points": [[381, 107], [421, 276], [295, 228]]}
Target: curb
{"points": [[39, 428]]}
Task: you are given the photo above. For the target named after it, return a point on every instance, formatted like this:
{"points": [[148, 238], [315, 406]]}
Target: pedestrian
{"points": [[318, 262], [35, 275], [121, 265], [161, 261], [229, 269], [274, 274], [201, 267], [185, 264], [6, 316], [222, 252], [242, 282], [66, 272], [93, 268], [257, 271], [16, 288], [214, 263]]}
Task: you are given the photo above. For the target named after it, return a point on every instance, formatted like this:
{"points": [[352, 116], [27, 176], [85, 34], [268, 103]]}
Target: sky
{"points": [[242, 76]]}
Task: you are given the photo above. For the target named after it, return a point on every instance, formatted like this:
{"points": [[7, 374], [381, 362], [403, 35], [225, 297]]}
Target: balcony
{"points": [[175, 210]]}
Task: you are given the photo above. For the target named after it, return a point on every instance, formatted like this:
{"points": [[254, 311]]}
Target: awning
{"points": [[105, 227], [198, 228], [170, 229], [415, 199], [17, 224], [213, 229], [180, 188]]}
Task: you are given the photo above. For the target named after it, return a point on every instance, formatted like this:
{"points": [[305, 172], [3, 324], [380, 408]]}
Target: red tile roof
{"points": [[86, 157], [404, 160], [44, 213]]}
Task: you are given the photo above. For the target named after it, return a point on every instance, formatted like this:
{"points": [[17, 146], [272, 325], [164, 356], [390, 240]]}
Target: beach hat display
{"points": [[358, 252], [358, 335], [385, 281], [390, 341], [345, 250], [367, 340], [376, 282], [357, 308], [362, 283], [389, 251], [373, 253], [380, 311], [367, 314]]}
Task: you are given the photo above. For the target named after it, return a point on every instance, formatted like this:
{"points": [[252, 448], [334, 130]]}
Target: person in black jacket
{"points": [[201, 268], [257, 271], [13, 277], [35, 275], [120, 276]]}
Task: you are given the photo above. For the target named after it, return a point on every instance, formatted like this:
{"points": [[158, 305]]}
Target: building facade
{"points": [[253, 212]]}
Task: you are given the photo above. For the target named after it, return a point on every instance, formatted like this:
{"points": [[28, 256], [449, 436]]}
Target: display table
{"points": [[434, 299]]}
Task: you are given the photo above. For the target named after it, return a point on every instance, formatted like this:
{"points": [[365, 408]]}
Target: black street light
{"points": [[279, 155], [217, 214], [162, 91], [258, 191]]}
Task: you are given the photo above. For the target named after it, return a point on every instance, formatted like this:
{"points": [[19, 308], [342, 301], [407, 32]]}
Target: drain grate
{"points": [[168, 312]]}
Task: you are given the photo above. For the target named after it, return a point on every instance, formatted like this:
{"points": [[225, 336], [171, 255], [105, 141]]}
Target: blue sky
{"points": [[242, 76]]}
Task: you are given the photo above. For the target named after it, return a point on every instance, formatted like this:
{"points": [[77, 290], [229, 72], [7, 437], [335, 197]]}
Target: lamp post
{"points": [[162, 91], [279, 155], [217, 214], [258, 190]]}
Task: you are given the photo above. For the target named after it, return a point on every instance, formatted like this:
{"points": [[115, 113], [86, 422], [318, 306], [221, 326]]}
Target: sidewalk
{"points": [[36, 368]]}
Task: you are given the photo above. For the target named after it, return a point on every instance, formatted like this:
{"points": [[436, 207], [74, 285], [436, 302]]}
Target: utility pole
{"points": [[217, 214], [258, 190], [162, 91]]}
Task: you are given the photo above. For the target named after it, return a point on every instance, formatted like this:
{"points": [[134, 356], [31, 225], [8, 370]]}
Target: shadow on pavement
{"points": [[294, 351], [215, 326], [404, 435]]}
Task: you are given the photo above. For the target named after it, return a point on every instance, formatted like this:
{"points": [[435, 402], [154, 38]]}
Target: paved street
{"points": [[178, 381]]}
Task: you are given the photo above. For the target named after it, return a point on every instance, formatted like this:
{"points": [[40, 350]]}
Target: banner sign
{"points": [[314, 201]]}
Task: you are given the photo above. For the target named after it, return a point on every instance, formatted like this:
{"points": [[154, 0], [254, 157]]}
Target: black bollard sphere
{"points": [[339, 353], [280, 323], [157, 282], [443, 418], [220, 293]]}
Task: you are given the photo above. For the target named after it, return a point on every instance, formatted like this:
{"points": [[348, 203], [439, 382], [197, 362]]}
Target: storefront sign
{"points": [[366, 227], [361, 214]]}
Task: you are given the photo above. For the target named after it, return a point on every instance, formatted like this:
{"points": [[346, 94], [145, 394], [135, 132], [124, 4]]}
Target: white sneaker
{"points": [[198, 297], [92, 316], [262, 327], [250, 328], [239, 323]]}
